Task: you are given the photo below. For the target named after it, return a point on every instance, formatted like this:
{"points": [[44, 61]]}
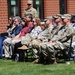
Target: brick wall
{"points": [[23, 6], [3, 15], [71, 6], [51, 7]]}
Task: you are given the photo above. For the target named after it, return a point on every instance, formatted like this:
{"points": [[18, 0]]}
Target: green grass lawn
{"points": [[9, 67]]}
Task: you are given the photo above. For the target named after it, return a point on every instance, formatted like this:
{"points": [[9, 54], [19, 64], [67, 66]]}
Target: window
{"points": [[39, 5], [63, 6], [14, 8]]}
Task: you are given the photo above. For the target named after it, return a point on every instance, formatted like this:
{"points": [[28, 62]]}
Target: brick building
{"points": [[44, 8]]}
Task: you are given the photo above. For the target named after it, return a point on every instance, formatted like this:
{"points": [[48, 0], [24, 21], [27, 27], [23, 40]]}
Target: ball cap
{"points": [[29, 2]]}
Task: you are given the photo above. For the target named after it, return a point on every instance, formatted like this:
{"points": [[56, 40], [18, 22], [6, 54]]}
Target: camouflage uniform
{"points": [[44, 36], [31, 11], [59, 42]]}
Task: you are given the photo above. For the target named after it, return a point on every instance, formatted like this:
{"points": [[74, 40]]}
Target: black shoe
{"points": [[7, 58]]}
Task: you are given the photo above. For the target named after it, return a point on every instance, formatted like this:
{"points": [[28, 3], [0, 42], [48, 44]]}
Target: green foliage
{"points": [[9, 67]]}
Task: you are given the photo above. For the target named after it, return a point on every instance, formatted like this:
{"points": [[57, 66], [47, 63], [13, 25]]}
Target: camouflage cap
{"points": [[57, 16], [29, 2], [68, 16], [49, 18]]}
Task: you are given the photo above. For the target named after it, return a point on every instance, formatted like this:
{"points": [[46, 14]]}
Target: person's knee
{"points": [[35, 44]]}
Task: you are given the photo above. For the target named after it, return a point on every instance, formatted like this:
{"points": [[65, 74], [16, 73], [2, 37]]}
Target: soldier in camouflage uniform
{"points": [[44, 36], [59, 41], [30, 9]]}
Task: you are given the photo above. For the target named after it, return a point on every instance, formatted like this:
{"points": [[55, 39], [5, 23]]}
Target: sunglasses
{"points": [[55, 18], [45, 21], [63, 18], [28, 4], [23, 20], [34, 21]]}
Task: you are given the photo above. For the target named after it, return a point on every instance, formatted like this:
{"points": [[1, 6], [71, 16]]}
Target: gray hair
{"points": [[18, 18]]}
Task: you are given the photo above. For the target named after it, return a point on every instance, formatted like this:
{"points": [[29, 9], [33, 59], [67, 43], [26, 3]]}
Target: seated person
{"points": [[13, 29], [8, 44]]}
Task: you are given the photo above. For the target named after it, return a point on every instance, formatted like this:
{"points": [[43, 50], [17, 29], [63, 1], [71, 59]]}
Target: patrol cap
{"points": [[68, 16], [49, 18], [29, 2], [57, 16]]}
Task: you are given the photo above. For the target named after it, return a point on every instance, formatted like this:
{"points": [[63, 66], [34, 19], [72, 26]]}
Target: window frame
{"points": [[63, 6], [41, 8], [18, 5]]}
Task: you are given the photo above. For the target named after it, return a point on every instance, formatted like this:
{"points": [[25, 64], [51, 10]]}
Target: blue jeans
{"points": [[1, 46]]}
